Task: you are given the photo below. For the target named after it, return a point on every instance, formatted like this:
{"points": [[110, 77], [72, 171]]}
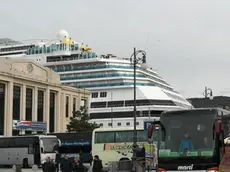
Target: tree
{"points": [[79, 121]]}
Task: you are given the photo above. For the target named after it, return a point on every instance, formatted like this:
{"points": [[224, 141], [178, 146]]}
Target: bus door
{"points": [[86, 149], [37, 153]]}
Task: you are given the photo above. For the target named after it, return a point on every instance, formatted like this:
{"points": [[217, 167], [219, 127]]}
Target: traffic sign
{"points": [[146, 124]]}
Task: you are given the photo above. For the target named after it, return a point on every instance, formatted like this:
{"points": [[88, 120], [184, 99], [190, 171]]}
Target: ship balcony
{"points": [[130, 108], [61, 53], [60, 49]]}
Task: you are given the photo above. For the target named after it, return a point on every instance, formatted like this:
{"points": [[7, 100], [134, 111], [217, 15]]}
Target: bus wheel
{"points": [[124, 159], [25, 163]]}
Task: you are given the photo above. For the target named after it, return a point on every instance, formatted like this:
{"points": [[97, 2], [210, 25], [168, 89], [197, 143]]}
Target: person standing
{"points": [[57, 161], [81, 157], [77, 165], [66, 164], [97, 164], [90, 159], [48, 166]]}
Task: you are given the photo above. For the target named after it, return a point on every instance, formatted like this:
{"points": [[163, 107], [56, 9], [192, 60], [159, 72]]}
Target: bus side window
{"points": [[30, 149]]}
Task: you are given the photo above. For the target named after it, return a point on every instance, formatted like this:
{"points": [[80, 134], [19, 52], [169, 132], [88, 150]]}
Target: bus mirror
{"points": [[59, 142], [156, 125], [217, 127]]}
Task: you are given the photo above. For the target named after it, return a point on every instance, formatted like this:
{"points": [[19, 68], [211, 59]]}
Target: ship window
{"points": [[127, 123], [110, 124], [137, 123], [115, 103], [101, 124], [103, 94], [98, 105], [118, 124], [94, 95]]}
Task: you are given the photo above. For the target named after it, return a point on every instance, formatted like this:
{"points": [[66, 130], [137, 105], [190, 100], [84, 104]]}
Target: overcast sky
{"points": [[187, 41]]}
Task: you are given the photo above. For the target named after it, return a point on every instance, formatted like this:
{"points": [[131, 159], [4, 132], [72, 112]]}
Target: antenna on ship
{"points": [[146, 43]]}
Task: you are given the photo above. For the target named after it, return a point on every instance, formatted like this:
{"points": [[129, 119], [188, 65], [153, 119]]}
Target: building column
{"points": [[9, 113], [5, 109], [35, 104], [78, 102], [87, 104], [76, 105], [71, 105], [63, 124], [47, 109], [23, 103], [57, 127]]}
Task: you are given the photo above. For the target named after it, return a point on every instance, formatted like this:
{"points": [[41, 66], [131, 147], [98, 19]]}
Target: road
{"points": [[28, 170], [11, 170]]}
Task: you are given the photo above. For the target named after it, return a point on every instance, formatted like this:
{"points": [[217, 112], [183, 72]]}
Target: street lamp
{"points": [[136, 61], [208, 93]]}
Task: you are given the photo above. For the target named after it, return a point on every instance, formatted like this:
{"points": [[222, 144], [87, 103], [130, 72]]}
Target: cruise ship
{"points": [[108, 77]]}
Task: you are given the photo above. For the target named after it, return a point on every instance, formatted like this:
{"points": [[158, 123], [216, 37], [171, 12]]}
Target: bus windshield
{"points": [[50, 144], [189, 133]]}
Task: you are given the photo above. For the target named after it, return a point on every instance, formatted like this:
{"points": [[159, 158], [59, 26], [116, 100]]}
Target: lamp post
{"points": [[208, 93], [135, 60]]}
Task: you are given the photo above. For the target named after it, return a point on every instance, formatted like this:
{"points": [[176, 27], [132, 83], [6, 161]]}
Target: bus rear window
{"points": [[74, 149]]}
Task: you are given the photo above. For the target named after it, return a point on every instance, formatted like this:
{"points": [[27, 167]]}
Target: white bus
{"points": [[116, 144], [27, 150]]}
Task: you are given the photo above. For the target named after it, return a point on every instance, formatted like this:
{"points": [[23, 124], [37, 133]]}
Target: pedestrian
{"points": [[57, 161], [90, 159], [78, 165], [48, 166], [81, 156], [66, 164], [97, 164]]}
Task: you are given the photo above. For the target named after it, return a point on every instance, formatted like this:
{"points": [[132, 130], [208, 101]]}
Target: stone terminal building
{"points": [[32, 99]]}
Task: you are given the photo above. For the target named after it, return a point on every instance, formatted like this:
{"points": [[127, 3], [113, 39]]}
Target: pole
{"points": [[134, 114], [112, 109], [205, 92], [135, 103]]}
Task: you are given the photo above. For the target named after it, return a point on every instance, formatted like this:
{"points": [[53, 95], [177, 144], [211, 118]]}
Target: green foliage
{"points": [[79, 121]]}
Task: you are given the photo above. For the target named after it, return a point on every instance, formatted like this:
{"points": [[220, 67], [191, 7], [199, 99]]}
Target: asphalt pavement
{"points": [[29, 170], [23, 170]]}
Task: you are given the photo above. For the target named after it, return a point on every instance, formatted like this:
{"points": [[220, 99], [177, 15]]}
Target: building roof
{"points": [[218, 101], [32, 71]]}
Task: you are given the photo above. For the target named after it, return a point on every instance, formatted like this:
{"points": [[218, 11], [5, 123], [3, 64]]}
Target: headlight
{"points": [[214, 169], [161, 170]]}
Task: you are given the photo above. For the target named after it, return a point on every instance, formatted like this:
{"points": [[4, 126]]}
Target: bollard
{"points": [[17, 168], [125, 165], [113, 166], [140, 168], [35, 168]]}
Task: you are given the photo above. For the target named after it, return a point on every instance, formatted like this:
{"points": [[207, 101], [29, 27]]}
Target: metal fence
{"points": [[124, 166]]}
